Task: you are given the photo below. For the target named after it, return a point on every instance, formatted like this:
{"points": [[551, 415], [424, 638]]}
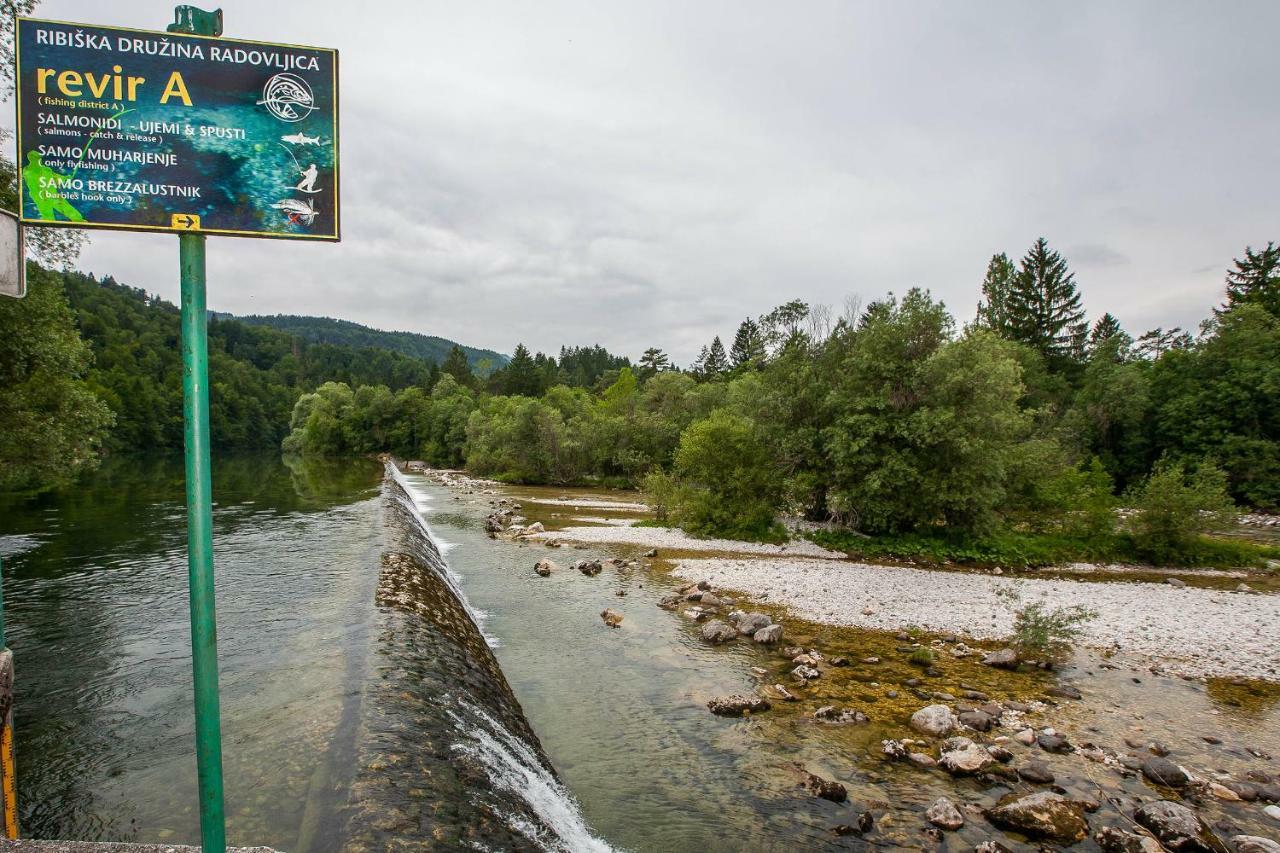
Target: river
{"points": [[363, 704]]}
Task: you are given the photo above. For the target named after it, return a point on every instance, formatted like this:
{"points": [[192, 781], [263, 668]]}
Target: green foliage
{"points": [[51, 423], [1043, 306], [922, 657], [344, 333], [724, 482], [1042, 630], [1172, 508], [1255, 280]]}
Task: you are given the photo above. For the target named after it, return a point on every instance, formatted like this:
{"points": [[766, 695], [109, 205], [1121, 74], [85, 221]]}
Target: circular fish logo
{"points": [[288, 97]]}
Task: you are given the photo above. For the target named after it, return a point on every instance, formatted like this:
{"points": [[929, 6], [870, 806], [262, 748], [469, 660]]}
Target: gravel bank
{"points": [[1195, 631], [588, 503], [673, 539]]}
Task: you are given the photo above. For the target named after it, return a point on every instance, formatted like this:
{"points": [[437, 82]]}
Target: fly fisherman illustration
{"points": [[289, 98]]}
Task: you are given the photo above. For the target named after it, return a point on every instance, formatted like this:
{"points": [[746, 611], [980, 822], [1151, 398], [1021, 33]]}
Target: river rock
{"points": [[1064, 691], [718, 631], [1113, 840], [768, 635], [935, 720], [977, 720], [710, 600], [544, 567], [827, 789], [944, 814], [749, 623], [1162, 771], [737, 704], [1053, 742], [1036, 772], [1178, 827], [804, 673], [611, 617], [651, 553], [991, 847], [590, 568], [1272, 812], [924, 762], [963, 757], [1026, 737], [671, 601], [1043, 814], [1003, 659], [1254, 844]]}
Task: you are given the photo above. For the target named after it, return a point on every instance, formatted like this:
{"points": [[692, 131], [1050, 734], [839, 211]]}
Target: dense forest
{"points": [[888, 419], [92, 365], [325, 330]]}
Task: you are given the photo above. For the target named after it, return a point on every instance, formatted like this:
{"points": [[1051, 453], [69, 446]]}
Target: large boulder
{"points": [[718, 631], [963, 757], [934, 720], [544, 567], [977, 720], [1254, 844], [1178, 828], [590, 568], [1043, 814], [749, 623], [944, 814], [737, 704]]}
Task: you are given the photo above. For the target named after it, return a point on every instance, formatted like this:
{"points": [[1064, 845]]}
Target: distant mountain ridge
{"points": [[326, 330]]}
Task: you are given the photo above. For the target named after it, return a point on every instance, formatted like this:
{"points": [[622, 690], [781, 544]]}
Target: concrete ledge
{"points": [[24, 846]]}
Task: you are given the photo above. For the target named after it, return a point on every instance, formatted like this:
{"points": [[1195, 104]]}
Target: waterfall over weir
{"points": [[445, 759]]}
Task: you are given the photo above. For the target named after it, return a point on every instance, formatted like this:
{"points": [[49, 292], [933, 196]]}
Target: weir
{"points": [[445, 751]]}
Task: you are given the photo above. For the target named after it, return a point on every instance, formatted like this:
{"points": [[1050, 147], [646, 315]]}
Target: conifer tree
{"points": [[456, 365], [1256, 280], [748, 345], [993, 310], [522, 374], [1044, 309], [716, 362]]}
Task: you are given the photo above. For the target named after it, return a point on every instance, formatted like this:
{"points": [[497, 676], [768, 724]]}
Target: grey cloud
{"points": [[649, 173]]}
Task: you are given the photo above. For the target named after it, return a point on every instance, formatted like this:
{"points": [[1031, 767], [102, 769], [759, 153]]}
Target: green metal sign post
{"points": [[195, 413]]}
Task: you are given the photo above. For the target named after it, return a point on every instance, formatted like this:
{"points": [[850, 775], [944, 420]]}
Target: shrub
{"points": [[1172, 509], [922, 657], [1041, 630]]}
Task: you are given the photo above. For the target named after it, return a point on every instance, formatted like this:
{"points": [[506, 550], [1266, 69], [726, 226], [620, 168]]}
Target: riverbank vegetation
{"points": [[1015, 437]]}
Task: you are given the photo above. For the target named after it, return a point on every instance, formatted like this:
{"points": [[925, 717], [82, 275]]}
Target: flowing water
{"points": [[362, 623]]}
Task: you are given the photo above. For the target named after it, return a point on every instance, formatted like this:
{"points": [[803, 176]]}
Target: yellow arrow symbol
{"points": [[185, 221]]}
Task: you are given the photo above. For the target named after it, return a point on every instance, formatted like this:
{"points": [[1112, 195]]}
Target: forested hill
{"points": [[257, 372], [325, 330]]}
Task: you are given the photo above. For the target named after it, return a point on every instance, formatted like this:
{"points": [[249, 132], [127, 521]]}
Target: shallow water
{"points": [[622, 712], [96, 604]]}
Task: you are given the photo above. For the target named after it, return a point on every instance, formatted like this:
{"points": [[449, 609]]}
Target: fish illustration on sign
{"points": [[297, 211], [300, 139]]}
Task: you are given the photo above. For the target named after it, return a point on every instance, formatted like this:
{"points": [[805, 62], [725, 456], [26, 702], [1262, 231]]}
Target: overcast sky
{"points": [[648, 173]]}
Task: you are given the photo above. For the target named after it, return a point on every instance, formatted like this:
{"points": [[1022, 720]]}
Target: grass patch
{"points": [[1024, 550]]}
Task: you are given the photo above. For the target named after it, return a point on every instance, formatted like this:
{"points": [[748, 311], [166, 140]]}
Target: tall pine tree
{"points": [[993, 310], [1044, 309], [748, 345], [1256, 280], [717, 362]]}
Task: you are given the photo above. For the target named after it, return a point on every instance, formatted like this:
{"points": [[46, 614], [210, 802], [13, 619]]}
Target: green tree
{"points": [[993, 308], [51, 424], [653, 361], [726, 484], [1043, 306], [456, 365], [1172, 509], [1158, 341], [1106, 329], [521, 376], [748, 346], [1255, 280], [717, 362]]}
